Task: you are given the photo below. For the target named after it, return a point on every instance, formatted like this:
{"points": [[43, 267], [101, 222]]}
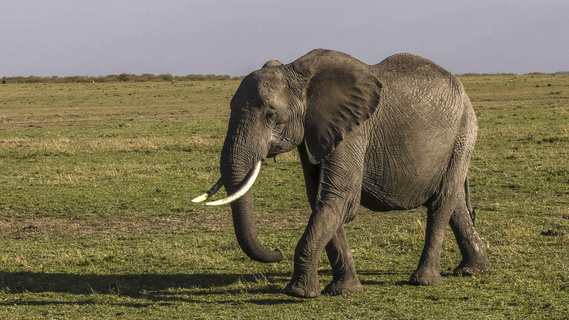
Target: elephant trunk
{"points": [[233, 172], [245, 230]]}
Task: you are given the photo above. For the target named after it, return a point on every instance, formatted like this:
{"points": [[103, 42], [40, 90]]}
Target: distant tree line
{"points": [[147, 77], [123, 77]]}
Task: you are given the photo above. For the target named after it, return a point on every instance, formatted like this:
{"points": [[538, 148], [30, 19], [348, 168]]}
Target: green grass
{"points": [[96, 219]]}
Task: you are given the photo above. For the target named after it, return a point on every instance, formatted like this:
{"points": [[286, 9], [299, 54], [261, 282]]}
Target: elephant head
{"points": [[311, 103]]}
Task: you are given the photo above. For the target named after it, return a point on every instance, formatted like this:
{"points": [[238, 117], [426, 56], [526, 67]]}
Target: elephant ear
{"points": [[341, 94]]}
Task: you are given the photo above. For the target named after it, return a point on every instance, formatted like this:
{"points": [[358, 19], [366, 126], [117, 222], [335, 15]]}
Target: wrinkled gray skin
{"points": [[392, 136]]}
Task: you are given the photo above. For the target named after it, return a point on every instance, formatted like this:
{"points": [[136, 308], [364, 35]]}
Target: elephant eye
{"points": [[272, 117]]}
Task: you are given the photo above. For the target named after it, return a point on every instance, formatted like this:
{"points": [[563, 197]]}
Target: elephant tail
{"points": [[468, 204]]}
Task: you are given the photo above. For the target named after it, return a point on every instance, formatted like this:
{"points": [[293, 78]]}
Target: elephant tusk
{"points": [[209, 193], [249, 182]]}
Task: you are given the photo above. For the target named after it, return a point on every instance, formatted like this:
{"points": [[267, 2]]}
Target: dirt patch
{"points": [[550, 233], [104, 226], [25, 227]]}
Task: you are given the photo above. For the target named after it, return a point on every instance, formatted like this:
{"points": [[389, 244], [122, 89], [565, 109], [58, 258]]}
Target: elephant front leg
{"points": [[333, 188], [319, 232], [345, 279]]}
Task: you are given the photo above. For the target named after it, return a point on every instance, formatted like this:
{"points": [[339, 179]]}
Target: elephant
{"points": [[392, 136]]}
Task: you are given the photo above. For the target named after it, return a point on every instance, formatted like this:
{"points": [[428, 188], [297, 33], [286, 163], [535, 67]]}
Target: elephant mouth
{"points": [[246, 184]]}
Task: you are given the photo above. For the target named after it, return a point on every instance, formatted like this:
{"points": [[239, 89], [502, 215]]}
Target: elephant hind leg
{"points": [[427, 273], [345, 279], [440, 209], [474, 259]]}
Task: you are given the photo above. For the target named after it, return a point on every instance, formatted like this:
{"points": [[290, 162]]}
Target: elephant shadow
{"points": [[163, 288], [150, 288]]}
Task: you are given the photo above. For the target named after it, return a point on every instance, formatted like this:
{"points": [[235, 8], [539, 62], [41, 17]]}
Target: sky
{"points": [[235, 37]]}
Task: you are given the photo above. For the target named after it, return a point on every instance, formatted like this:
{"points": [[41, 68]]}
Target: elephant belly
{"points": [[405, 163], [382, 200], [402, 182]]}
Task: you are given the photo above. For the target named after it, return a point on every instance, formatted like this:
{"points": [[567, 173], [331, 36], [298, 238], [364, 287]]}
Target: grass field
{"points": [[96, 220]]}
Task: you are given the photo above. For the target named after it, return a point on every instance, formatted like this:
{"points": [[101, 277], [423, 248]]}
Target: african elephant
{"points": [[392, 136]]}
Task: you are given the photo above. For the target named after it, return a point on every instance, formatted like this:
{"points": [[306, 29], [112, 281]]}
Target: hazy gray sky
{"points": [[234, 37]]}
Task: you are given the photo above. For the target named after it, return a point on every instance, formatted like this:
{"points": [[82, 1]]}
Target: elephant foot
{"points": [[466, 269], [426, 277], [303, 290], [342, 287]]}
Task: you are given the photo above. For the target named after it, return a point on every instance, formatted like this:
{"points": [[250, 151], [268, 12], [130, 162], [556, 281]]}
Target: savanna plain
{"points": [[96, 220]]}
